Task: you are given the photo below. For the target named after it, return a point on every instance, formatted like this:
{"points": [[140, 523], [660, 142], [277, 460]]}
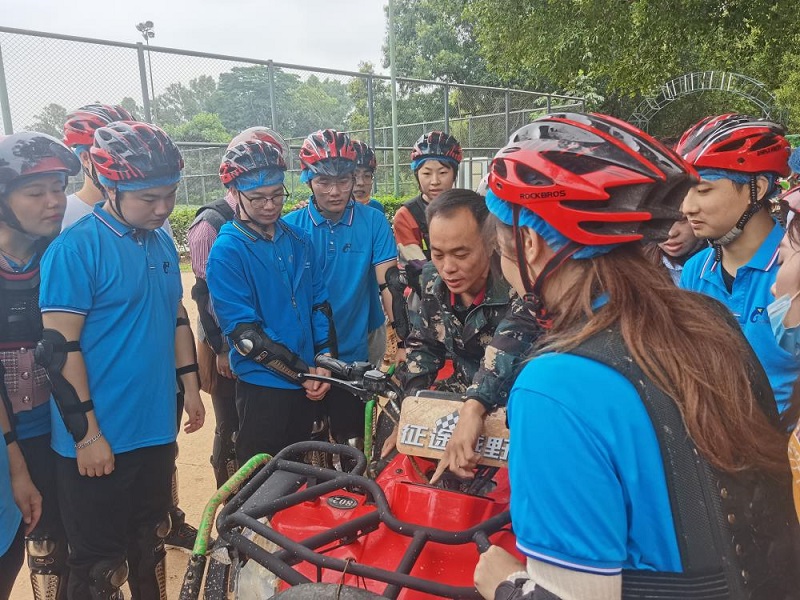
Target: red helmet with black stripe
{"points": [[264, 134], [365, 156], [328, 152], [131, 151], [737, 143], [595, 179], [249, 156], [437, 144], [82, 123]]}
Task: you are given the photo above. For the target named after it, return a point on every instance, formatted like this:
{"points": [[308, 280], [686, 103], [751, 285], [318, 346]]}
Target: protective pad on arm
{"points": [[331, 343], [397, 288], [51, 353], [210, 327], [251, 342]]}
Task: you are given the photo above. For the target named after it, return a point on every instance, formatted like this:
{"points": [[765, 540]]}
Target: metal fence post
{"points": [[508, 112], [271, 71], [143, 78], [5, 106], [371, 114], [549, 103], [446, 108]]}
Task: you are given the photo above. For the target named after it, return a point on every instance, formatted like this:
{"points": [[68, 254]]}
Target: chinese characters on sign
{"points": [[417, 435]]}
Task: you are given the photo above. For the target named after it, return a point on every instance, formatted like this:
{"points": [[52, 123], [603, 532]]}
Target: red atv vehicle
{"points": [[297, 530]]}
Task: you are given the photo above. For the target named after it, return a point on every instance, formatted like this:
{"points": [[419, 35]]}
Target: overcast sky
{"points": [[336, 34], [327, 33]]}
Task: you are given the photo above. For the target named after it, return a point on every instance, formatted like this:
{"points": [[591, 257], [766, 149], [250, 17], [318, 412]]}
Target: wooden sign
{"points": [[426, 425]]}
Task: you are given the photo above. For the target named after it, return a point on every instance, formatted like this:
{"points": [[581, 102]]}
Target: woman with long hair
{"points": [[646, 458]]}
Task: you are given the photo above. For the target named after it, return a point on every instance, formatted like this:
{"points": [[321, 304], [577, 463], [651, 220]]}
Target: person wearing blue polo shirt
{"points": [[739, 159], [627, 469], [364, 175], [351, 243], [115, 338], [267, 290]]}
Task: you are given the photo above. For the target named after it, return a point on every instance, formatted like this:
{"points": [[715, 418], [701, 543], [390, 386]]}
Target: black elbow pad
{"points": [[251, 342]]}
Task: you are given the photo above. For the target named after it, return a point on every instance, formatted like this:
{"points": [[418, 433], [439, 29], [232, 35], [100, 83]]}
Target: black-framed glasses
{"points": [[260, 202]]}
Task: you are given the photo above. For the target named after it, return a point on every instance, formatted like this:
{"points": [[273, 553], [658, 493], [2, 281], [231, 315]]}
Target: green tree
{"points": [[203, 127], [623, 50], [434, 40], [242, 100], [179, 104], [50, 121], [132, 107]]}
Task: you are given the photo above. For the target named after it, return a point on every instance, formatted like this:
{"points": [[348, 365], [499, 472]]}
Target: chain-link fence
{"points": [[202, 99]]}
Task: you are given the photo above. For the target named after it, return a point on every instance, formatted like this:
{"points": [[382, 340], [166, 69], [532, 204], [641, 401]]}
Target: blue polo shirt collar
{"points": [[763, 260], [318, 219], [244, 229], [110, 221]]}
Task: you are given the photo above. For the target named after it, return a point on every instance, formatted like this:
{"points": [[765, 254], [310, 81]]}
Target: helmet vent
{"points": [[731, 146], [578, 164], [530, 176]]}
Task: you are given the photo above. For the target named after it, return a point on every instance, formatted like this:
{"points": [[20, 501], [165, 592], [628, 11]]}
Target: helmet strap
{"points": [[534, 293], [9, 218], [92, 174], [752, 209], [251, 223]]}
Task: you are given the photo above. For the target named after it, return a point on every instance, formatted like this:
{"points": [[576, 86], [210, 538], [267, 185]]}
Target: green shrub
{"points": [[179, 220], [183, 215]]}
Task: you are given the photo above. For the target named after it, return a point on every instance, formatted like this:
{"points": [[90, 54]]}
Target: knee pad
{"points": [[46, 555], [47, 560], [223, 456], [150, 540], [106, 577]]}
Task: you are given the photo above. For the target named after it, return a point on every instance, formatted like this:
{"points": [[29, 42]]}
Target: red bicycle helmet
{"points": [[737, 143], [264, 134], [130, 151], [328, 152], [82, 123], [437, 143], [30, 153], [595, 179], [247, 157], [365, 156]]}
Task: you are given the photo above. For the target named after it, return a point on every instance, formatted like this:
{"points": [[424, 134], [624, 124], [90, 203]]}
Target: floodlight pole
{"points": [[146, 29], [395, 141]]}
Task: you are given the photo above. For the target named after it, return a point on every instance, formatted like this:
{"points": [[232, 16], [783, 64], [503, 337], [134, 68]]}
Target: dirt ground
{"points": [[195, 480]]}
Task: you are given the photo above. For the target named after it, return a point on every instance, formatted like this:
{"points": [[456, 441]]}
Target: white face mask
{"points": [[788, 339]]}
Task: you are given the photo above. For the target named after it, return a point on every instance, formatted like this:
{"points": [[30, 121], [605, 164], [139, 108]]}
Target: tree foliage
{"points": [[623, 50], [50, 121], [202, 127]]}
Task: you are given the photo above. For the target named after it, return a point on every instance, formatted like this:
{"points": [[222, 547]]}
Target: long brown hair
{"points": [[684, 346]]}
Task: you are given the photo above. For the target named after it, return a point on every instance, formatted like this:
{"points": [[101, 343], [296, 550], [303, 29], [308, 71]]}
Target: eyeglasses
{"points": [[342, 184], [259, 202]]}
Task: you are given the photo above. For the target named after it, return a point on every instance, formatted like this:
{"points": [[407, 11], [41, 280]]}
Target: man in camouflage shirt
{"points": [[463, 303]]}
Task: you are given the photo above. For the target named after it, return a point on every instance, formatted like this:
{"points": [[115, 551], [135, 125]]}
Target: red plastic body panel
{"points": [[413, 501]]}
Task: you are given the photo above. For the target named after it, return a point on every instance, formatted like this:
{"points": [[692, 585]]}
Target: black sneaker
{"points": [[181, 537]]}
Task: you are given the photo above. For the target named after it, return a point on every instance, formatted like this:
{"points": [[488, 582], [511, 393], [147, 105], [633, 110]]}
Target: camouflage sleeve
{"points": [[504, 356], [425, 348]]}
